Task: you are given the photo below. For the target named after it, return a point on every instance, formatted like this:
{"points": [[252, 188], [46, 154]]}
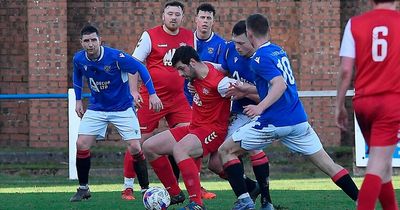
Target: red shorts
{"points": [[210, 138], [175, 112], [379, 119]]}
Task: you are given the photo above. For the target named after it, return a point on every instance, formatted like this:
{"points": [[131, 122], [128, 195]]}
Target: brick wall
{"points": [[309, 31], [14, 122]]}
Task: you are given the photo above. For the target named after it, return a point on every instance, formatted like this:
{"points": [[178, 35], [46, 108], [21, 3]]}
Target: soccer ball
{"points": [[156, 198]]}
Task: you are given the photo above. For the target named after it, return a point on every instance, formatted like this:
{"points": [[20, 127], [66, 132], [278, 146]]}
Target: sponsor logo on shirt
{"points": [[182, 44], [162, 45], [196, 100], [167, 60]]}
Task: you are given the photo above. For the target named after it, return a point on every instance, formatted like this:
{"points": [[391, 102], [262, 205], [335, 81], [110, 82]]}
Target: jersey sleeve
{"points": [[143, 47], [266, 67], [347, 48], [223, 57], [77, 80], [131, 65], [224, 85]]}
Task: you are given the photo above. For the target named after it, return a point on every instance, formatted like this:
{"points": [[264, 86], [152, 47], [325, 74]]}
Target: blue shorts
{"points": [[95, 123]]}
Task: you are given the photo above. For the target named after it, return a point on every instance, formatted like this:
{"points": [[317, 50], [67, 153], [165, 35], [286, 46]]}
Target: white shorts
{"points": [[299, 138], [237, 121], [96, 122]]}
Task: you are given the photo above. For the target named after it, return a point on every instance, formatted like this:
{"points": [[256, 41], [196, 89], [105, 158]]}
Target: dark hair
{"points": [[239, 28], [382, 1], [258, 23], [89, 29], [206, 7], [175, 4], [184, 54]]}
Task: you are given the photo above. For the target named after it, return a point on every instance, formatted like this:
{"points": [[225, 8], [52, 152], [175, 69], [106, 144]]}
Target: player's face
{"points": [[172, 17], [91, 44], [204, 21], [185, 70], [243, 45]]}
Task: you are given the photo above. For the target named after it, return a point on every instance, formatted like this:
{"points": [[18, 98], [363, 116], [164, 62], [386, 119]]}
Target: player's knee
{"points": [[134, 147]]}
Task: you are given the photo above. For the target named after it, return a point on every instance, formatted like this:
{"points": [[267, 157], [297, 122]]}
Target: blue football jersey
{"points": [[238, 68], [208, 50], [107, 78], [269, 61]]}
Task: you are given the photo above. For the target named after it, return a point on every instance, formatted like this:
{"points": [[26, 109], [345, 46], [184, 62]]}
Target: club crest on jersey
{"points": [[257, 59], [85, 67], [107, 68], [121, 55], [235, 59], [182, 44], [206, 91], [210, 50]]}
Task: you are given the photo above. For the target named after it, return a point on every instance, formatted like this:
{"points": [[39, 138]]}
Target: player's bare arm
{"points": [[344, 80]]}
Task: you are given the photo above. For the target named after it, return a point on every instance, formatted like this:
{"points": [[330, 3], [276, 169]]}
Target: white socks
{"points": [[128, 182]]}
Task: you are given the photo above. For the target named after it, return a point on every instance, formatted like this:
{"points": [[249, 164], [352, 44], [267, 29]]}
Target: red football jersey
{"points": [[166, 80], [377, 52], [210, 109]]}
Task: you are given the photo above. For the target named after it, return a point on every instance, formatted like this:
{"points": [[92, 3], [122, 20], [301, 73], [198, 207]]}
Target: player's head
{"points": [[257, 27], [239, 37], [205, 18], [184, 60], [173, 15], [90, 41]]}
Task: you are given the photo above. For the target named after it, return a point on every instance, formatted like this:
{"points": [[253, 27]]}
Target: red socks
{"points": [[369, 192], [162, 167], [191, 178], [129, 171], [387, 197]]}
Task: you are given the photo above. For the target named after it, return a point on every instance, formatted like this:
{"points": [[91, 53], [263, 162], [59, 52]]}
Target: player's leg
{"points": [[184, 152], [93, 125], [260, 164], [302, 138], [156, 149], [127, 125], [378, 180], [381, 133], [179, 114], [149, 122], [234, 170], [339, 175], [129, 177]]}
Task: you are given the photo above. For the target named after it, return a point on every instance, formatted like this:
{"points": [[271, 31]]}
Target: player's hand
{"points": [[341, 117], [236, 91], [79, 108], [155, 103], [137, 99], [252, 110], [191, 88]]}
